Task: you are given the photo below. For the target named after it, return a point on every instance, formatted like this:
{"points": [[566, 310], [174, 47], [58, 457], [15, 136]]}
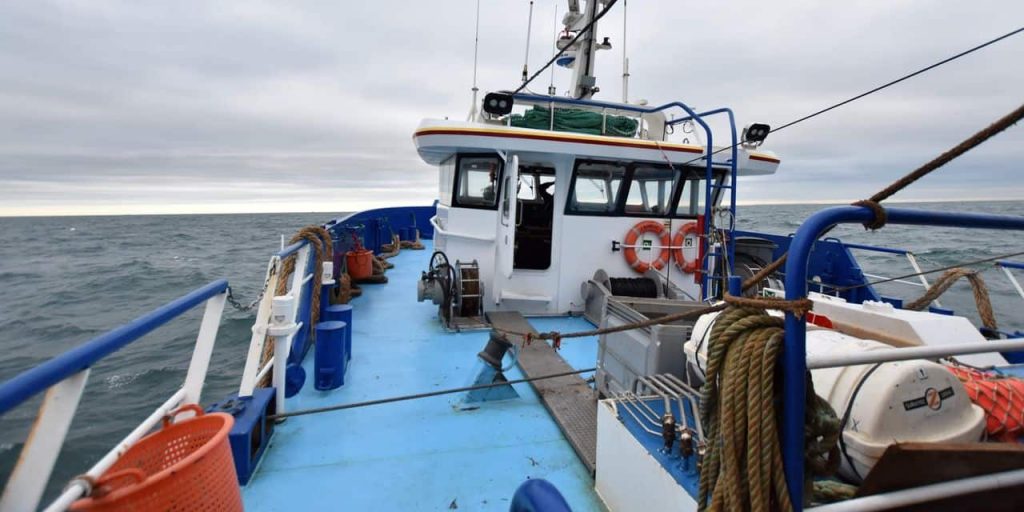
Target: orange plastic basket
{"points": [[183, 466]]}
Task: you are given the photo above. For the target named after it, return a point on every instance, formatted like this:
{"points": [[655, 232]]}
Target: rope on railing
{"points": [[320, 240], [978, 288], [874, 201]]}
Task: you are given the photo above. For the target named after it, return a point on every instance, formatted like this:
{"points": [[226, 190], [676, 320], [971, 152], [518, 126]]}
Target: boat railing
{"points": [[1005, 266], [911, 259], [795, 362], [64, 378], [281, 317]]}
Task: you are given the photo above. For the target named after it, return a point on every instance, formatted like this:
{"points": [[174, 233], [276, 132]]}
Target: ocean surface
{"points": [[67, 279]]}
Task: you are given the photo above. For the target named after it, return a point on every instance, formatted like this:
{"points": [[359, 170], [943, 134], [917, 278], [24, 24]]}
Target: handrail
{"points": [[30, 382], [445, 232], [291, 249], [64, 378], [875, 248], [1010, 264], [794, 354]]}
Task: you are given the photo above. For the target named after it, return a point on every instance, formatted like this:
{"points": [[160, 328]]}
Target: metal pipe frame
{"points": [[794, 357]]}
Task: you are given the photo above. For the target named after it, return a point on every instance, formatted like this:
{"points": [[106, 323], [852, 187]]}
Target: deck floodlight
{"points": [[755, 133], [498, 103]]}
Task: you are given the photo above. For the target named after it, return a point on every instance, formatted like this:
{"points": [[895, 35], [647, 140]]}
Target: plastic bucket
{"points": [[183, 466], [360, 263]]}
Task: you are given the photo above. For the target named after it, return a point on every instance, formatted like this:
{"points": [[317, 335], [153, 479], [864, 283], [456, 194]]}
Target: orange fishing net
{"points": [[1002, 399]]}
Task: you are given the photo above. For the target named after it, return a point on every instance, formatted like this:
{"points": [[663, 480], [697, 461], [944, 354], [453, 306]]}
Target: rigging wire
{"points": [[579, 34], [932, 271], [872, 91], [428, 394]]}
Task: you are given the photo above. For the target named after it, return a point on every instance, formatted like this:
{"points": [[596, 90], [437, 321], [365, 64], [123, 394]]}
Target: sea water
{"points": [[64, 280]]}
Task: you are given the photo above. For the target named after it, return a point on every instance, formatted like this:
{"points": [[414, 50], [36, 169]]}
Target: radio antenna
{"points": [[625, 60], [476, 48], [526, 59], [554, 43]]}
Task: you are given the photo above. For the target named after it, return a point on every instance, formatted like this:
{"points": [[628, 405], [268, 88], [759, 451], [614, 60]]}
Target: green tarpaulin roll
{"points": [[576, 120]]}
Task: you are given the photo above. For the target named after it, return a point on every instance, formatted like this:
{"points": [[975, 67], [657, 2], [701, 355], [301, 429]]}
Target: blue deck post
{"points": [[343, 313], [794, 356], [735, 286]]}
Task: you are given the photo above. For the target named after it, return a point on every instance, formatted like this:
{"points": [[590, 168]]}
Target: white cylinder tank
{"points": [[902, 401]]}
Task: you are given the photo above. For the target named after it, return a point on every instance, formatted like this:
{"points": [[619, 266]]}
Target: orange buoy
{"points": [[688, 266], [633, 236]]}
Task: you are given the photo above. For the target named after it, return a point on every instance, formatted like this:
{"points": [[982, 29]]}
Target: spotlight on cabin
{"points": [[754, 134], [498, 103]]}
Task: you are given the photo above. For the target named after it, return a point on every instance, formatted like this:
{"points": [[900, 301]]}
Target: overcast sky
{"points": [[179, 106]]}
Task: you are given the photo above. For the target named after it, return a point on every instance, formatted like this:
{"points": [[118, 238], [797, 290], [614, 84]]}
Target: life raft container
{"points": [[688, 266], [633, 236]]}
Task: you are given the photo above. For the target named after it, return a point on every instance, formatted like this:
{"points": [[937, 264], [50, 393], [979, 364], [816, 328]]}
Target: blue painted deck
{"points": [[421, 454]]}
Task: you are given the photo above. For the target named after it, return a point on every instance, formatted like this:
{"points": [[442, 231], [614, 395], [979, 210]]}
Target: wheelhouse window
{"points": [[651, 190], [477, 182], [595, 188], [694, 194]]}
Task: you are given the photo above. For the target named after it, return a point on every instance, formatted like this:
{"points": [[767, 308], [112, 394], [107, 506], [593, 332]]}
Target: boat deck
{"points": [[421, 454]]}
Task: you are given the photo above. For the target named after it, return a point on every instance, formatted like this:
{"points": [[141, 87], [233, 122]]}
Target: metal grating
{"points": [[569, 400]]}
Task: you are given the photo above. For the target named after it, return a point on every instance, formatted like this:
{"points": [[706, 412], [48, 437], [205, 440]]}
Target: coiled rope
{"points": [[743, 468], [978, 288], [320, 240]]}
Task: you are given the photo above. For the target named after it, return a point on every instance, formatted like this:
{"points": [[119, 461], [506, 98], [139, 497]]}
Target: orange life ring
{"points": [[633, 235], [688, 266]]}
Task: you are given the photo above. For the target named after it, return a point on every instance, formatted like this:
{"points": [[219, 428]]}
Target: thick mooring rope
{"points": [[978, 288], [743, 468], [320, 240], [874, 201]]}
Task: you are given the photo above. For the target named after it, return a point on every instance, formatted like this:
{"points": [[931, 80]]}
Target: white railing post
{"points": [[1013, 281], [282, 328], [35, 464], [200, 363], [920, 275], [251, 374]]}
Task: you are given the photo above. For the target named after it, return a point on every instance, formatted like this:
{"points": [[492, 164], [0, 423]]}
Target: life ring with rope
{"points": [[633, 236], [688, 266]]}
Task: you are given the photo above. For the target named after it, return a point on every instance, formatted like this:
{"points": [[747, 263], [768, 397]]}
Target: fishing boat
{"points": [[576, 323]]}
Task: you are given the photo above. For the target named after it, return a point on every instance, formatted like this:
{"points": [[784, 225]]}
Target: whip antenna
{"points": [[526, 59], [625, 60], [476, 48], [554, 43]]}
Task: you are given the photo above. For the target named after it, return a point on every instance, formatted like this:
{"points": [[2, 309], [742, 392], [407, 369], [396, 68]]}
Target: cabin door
{"points": [[506, 241]]}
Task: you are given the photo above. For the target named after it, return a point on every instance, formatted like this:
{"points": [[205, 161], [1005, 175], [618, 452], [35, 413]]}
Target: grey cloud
{"points": [[257, 105]]}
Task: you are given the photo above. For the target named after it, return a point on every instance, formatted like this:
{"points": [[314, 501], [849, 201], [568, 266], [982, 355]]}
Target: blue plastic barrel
{"points": [[342, 313], [330, 359]]}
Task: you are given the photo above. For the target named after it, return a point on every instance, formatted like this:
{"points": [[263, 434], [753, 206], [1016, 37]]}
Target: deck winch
{"points": [[456, 290]]}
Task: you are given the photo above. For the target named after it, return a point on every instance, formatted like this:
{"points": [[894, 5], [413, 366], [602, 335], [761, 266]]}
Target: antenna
{"points": [[554, 43], [625, 60], [526, 59], [476, 48]]}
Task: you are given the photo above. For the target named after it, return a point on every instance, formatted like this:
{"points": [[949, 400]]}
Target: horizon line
{"points": [[766, 202]]}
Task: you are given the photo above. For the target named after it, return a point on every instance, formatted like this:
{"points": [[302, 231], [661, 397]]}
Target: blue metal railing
{"points": [[794, 357], [28, 383], [889, 250], [1010, 264]]}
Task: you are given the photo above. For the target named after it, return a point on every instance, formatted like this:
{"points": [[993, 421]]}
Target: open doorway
{"points": [[536, 210]]}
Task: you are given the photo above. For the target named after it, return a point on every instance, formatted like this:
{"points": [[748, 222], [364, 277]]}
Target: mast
{"points": [[584, 83]]}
